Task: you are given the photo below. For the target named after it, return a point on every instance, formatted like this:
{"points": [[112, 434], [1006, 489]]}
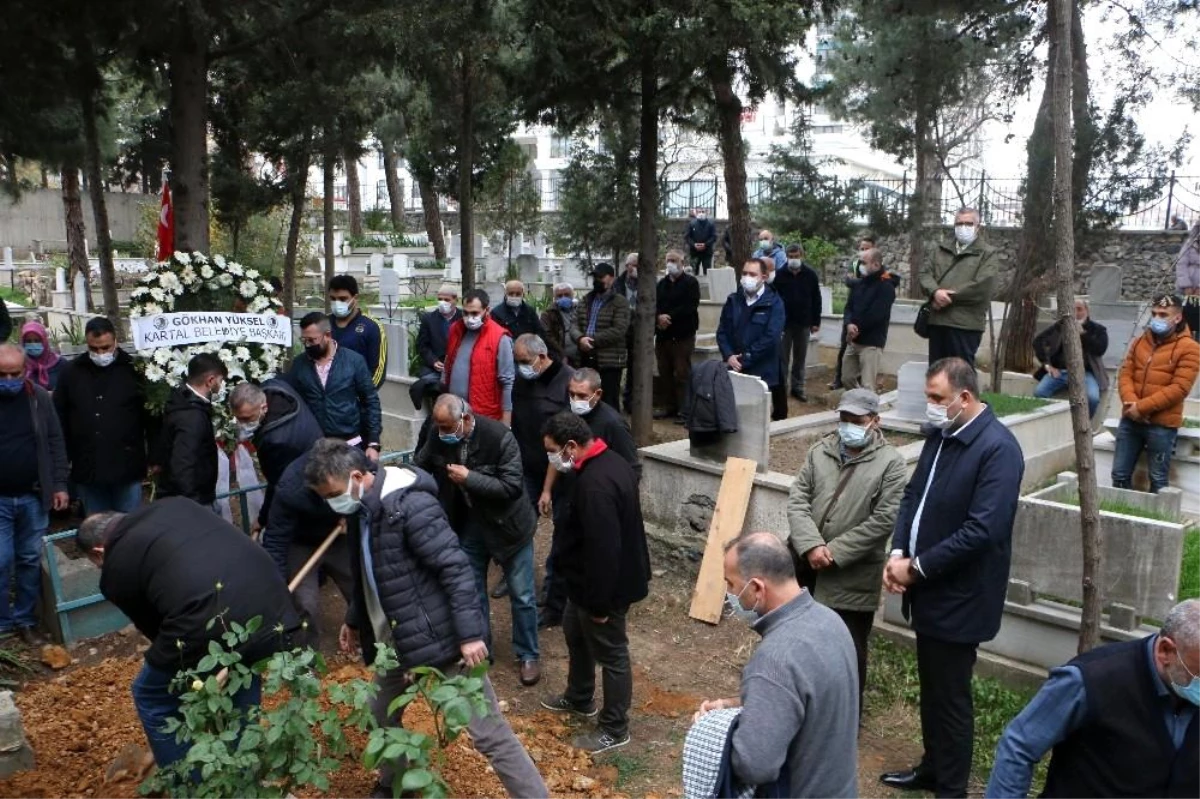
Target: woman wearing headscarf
{"points": [[42, 363], [1187, 279]]}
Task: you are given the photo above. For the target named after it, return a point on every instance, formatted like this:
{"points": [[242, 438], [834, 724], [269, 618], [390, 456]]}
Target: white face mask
{"points": [[345, 504], [445, 307], [558, 462], [102, 359], [340, 308], [514, 302], [473, 322], [965, 234], [702, 217], [750, 284], [764, 244], [672, 268], [246, 430], [527, 371], [734, 602], [795, 264], [582, 407], [939, 417]]}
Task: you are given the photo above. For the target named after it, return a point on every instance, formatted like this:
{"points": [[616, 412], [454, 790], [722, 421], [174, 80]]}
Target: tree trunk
{"points": [[77, 260], [1085, 127], [433, 218], [327, 212], [394, 190], [1064, 258], [918, 208], [298, 176], [45, 176], [189, 140], [466, 161], [108, 269], [733, 152], [643, 318], [353, 192]]}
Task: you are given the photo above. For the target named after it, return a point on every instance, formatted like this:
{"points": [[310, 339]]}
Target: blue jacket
{"points": [[964, 542], [777, 252], [753, 333], [348, 404]]}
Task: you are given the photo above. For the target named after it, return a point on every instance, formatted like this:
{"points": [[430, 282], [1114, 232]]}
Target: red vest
{"points": [[484, 395]]}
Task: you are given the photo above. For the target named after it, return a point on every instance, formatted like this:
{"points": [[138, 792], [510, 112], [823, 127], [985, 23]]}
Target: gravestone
{"points": [[8, 258], [722, 282], [753, 438], [60, 279], [15, 752], [397, 351], [389, 289], [402, 266], [527, 268], [375, 263], [826, 299], [81, 293], [1105, 284], [910, 394]]}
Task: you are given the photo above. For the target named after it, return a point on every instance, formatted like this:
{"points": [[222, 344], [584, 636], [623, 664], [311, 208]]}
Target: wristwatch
{"points": [[374, 446]]}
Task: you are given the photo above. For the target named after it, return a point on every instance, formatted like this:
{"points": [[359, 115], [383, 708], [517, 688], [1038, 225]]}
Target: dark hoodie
{"points": [[870, 307], [289, 430], [187, 449]]}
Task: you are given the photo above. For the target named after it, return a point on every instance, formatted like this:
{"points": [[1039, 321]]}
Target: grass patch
{"points": [[1190, 422], [892, 680], [1008, 405], [1123, 508], [1189, 571], [629, 768], [12, 295]]}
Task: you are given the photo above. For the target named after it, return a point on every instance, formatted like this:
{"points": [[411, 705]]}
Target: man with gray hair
{"points": [[1120, 720], [516, 315], [557, 321], [959, 279], [799, 694]]}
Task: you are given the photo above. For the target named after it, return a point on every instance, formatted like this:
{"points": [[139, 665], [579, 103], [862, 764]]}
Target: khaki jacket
{"points": [[970, 274], [858, 527]]}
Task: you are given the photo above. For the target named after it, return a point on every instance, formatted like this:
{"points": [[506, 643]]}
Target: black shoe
{"points": [[913, 779], [29, 637], [501, 589], [560, 704], [661, 414], [548, 620]]}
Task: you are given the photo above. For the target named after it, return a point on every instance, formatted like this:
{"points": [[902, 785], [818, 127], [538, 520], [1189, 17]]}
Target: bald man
{"points": [[32, 481], [516, 315]]}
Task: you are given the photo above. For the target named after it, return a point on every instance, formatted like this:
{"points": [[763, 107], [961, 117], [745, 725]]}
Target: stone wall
{"points": [[1146, 258]]}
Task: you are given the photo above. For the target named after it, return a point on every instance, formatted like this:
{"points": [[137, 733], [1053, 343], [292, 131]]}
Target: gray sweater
{"points": [[800, 703]]}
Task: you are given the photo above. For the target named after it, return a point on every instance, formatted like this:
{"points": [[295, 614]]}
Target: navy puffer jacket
{"points": [[425, 583]]}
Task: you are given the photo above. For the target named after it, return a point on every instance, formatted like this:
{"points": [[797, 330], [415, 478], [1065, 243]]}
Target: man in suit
{"points": [[701, 239], [950, 557], [432, 337]]}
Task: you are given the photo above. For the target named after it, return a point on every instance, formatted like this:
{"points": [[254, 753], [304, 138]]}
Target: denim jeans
{"points": [[117, 497], [23, 522], [1132, 438], [155, 703], [1050, 385], [522, 596]]}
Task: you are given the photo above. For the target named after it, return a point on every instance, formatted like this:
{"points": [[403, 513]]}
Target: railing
{"points": [[63, 606]]}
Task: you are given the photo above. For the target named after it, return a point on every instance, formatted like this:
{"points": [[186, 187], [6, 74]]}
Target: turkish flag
{"points": [[166, 225]]}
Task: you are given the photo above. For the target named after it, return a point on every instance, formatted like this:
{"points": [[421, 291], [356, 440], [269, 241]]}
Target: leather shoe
{"points": [[531, 672], [548, 620], [913, 779], [501, 589]]}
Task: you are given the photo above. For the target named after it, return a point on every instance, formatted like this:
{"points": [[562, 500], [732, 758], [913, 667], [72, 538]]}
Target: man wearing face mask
{"points": [[414, 590], [557, 321], [798, 696], [841, 509], [353, 329], [869, 312], [432, 338], [604, 563], [959, 278], [516, 315], [1120, 720], [627, 284], [677, 318], [950, 560], [600, 330], [1157, 374], [701, 240], [479, 360], [337, 387], [478, 468], [749, 332], [539, 393], [276, 421], [800, 289], [32, 481], [768, 247], [187, 447], [102, 408], [851, 278]]}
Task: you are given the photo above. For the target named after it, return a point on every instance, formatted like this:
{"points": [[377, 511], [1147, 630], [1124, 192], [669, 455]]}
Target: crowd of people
{"points": [[524, 422]]}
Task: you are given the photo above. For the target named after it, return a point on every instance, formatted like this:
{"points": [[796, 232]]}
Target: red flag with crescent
{"points": [[166, 225]]}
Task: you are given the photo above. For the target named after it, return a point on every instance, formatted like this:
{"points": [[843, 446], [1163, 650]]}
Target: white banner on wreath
{"points": [[199, 327]]}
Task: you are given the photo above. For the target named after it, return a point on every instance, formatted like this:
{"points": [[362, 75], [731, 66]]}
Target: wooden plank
{"points": [[729, 516]]}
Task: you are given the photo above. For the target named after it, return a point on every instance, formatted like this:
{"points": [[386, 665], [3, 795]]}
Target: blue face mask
{"points": [[455, 437], [1191, 691], [35, 349], [11, 386], [853, 435], [1160, 327], [565, 303], [734, 601]]}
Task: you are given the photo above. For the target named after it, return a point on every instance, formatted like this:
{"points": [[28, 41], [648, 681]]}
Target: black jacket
{"points": [[801, 295], [964, 542], [51, 450], [425, 583], [1048, 348], [680, 299], [518, 321], [173, 565], [491, 502], [870, 307], [534, 402], [5, 322], [609, 426], [602, 554], [432, 337], [710, 406], [700, 231], [298, 515], [288, 431], [103, 416], [187, 449]]}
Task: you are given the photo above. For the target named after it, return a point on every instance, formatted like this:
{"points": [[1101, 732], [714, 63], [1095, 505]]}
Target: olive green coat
{"points": [[970, 274], [859, 526]]}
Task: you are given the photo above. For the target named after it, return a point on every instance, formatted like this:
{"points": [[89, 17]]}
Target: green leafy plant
{"points": [[69, 333]]}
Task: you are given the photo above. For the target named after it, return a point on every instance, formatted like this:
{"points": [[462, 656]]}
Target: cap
{"points": [[1167, 301], [860, 402], [603, 270]]}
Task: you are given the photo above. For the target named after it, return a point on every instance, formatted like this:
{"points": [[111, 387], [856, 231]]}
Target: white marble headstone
{"points": [[1105, 284], [722, 282]]}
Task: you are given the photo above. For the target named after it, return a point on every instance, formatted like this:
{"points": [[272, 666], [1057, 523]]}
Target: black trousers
{"points": [[858, 622], [606, 645], [947, 713], [610, 383], [953, 342], [837, 375], [779, 402]]}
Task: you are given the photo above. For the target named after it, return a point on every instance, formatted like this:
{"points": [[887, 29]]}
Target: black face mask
{"points": [[316, 351], [598, 285]]}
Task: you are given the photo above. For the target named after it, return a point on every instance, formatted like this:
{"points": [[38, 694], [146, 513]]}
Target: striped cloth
{"points": [[704, 748]]}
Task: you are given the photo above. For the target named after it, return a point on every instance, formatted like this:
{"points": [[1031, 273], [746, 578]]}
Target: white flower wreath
{"points": [[195, 282]]}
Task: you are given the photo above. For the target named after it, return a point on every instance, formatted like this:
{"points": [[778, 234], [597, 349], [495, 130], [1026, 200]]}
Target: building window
{"points": [[381, 193], [560, 146]]}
